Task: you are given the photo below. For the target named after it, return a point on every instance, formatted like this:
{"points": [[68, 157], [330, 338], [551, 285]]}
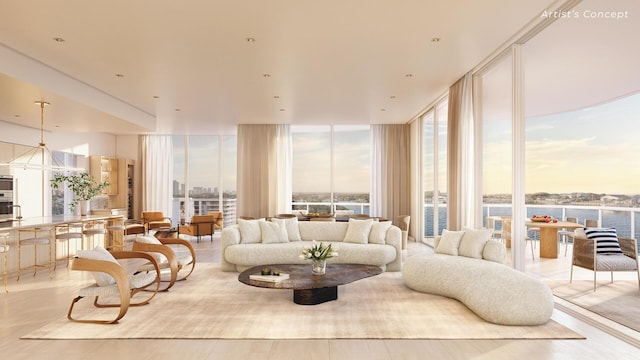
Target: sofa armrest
{"points": [[394, 238], [230, 236]]}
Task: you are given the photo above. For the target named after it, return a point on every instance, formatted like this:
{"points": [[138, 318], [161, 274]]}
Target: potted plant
{"points": [[83, 186]]}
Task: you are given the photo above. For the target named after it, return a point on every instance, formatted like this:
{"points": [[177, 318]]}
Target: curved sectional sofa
{"points": [[258, 242], [495, 292]]}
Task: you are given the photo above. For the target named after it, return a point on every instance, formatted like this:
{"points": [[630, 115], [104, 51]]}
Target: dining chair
{"points": [[565, 234], [491, 223], [592, 223], [506, 235]]}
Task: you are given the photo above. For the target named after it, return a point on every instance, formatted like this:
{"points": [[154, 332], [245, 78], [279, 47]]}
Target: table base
{"points": [[315, 296]]}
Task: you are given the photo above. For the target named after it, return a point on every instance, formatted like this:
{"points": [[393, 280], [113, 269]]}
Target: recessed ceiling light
{"points": [[435, 39], [178, 109], [250, 39], [281, 109], [383, 109], [392, 97], [16, 115], [276, 97], [120, 75], [266, 75], [58, 39], [409, 75], [156, 97]]}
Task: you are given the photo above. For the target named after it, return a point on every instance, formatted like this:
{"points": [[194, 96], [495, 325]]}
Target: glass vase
{"points": [[319, 267]]}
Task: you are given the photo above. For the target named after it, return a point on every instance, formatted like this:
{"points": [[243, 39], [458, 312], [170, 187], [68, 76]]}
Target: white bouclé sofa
{"points": [[473, 273], [281, 241]]}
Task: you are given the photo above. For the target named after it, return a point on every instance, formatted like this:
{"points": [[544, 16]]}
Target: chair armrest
{"points": [[156, 248], [182, 242], [629, 247]]}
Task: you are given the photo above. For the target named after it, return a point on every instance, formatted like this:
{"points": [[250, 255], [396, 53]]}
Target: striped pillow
{"points": [[606, 240]]}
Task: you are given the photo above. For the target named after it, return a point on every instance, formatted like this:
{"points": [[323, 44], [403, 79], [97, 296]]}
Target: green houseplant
{"points": [[83, 186]]}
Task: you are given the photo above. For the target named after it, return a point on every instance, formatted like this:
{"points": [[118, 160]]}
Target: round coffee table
{"points": [[309, 289]]}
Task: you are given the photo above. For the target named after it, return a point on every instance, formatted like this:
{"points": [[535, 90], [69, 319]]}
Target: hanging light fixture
{"points": [[40, 151]]}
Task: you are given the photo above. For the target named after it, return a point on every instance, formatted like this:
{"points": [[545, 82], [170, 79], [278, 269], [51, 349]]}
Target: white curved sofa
{"points": [[380, 246], [495, 292]]}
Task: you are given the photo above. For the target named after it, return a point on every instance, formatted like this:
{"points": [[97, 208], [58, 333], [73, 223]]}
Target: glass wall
{"points": [[203, 166], [331, 169], [434, 168]]}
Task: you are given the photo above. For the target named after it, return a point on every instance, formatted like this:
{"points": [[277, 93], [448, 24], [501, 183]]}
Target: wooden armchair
{"points": [[585, 256], [166, 257], [112, 279], [218, 220], [155, 219], [200, 225]]}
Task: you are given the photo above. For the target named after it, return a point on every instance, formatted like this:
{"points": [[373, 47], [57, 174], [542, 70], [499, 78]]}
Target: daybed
{"points": [[281, 241], [469, 267]]}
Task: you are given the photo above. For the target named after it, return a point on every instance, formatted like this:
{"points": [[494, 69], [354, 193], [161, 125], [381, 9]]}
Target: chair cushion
{"points": [[606, 240], [158, 257], [273, 232], [358, 231], [615, 263], [449, 242], [99, 253]]}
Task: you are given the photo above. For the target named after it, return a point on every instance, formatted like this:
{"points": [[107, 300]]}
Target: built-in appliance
{"points": [[6, 198]]}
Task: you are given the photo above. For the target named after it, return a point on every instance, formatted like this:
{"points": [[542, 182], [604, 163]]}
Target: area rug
{"points": [[618, 301], [213, 304]]}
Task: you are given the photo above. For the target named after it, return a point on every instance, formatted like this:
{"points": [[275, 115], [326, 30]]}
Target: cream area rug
{"points": [[618, 301], [213, 304]]}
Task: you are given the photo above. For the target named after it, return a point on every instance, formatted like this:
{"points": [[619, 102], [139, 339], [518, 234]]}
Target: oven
{"points": [[6, 197]]}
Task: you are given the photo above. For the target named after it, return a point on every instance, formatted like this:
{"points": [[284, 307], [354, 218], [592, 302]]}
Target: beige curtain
{"points": [[264, 170], [460, 146], [156, 154], [390, 187]]}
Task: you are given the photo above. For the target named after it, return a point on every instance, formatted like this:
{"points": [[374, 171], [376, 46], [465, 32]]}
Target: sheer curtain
{"points": [[461, 202], [157, 173], [264, 170], [390, 168]]}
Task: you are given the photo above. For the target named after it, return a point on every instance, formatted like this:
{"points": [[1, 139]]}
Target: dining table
{"points": [[549, 235]]}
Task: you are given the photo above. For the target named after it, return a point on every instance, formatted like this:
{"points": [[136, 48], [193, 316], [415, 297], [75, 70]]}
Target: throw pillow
{"points": [[272, 232], [378, 232], [250, 231], [473, 241], [358, 231], [291, 226], [160, 259], [449, 242], [99, 253], [606, 240]]}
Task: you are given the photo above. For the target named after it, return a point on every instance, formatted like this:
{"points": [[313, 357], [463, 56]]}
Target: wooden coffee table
{"points": [[309, 289]]}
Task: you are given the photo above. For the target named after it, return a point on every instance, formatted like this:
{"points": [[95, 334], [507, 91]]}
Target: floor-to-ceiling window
{"points": [[495, 104], [331, 169], [434, 168], [204, 176]]}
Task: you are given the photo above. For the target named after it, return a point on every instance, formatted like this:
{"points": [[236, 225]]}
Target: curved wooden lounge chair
{"points": [[166, 258], [112, 279]]}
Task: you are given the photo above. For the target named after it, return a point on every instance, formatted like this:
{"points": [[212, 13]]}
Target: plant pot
{"points": [[84, 207]]}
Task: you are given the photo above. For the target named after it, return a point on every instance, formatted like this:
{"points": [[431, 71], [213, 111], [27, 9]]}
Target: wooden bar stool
{"points": [[41, 236], [4, 249], [64, 234], [93, 228]]}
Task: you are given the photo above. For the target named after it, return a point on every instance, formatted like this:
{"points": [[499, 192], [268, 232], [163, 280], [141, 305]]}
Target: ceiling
{"points": [[188, 68]]}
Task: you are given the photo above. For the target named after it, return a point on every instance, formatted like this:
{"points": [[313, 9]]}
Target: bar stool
{"points": [[4, 249], [113, 229], [93, 228], [41, 236], [64, 235]]}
